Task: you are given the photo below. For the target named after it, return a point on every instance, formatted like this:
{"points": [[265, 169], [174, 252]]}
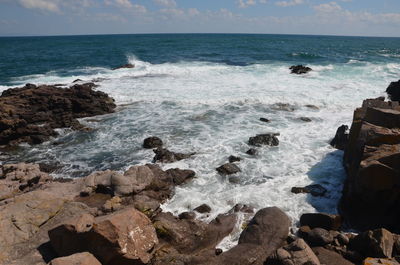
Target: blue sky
{"points": [[66, 17]]}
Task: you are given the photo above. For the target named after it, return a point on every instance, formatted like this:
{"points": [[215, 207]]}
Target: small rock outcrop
{"points": [[126, 66], [152, 142], [314, 189], [393, 91], [341, 138], [228, 169], [269, 139], [165, 156], [300, 69], [31, 113]]}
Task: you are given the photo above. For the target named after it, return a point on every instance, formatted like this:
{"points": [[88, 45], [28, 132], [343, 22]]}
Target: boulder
{"points": [[341, 138], [376, 244], [181, 176], [299, 69], [251, 152], [314, 189], [204, 208], [125, 237], [319, 237], [228, 169], [84, 258], [165, 156], [321, 220], [372, 261], [329, 257], [296, 253], [264, 139], [393, 91], [30, 114], [152, 142], [233, 159], [305, 119]]}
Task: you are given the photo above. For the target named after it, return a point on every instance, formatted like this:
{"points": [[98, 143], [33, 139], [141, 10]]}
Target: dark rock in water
{"points": [[204, 208], [312, 107], [341, 138], [187, 215], [264, 139], [264, 120], [377, 243], [251, 151], [124, 66], [77, 80], [234, 159], [50, 168], [393, 91], [321, 220], [166, 156], [228, 169], [315, 190], [181, 176], [283, 107], [300, 69], [326, 256], [305, 119], [30, 114], [234, 180], [152, 142]]}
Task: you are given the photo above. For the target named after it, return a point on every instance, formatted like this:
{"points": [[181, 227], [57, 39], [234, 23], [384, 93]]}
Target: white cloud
{"points": [[166, 3], [47, 5], [246, 3], [328, 7], [119, 3], [289, 3]]}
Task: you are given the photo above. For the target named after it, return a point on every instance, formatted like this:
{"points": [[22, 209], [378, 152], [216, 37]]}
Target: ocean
{"points": [[205, 93]]}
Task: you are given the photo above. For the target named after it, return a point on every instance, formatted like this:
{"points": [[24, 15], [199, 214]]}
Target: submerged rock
{"points": [[265, 120], [30, 114], [314, 190], [393, 91], [299, 69], [228, 169], [251, 151], [165, 156], [305, 119], [264, 139], [128, 65], [233, 159]]}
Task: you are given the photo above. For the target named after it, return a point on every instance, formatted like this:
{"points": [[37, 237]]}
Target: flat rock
{"points": [[84, 258]]}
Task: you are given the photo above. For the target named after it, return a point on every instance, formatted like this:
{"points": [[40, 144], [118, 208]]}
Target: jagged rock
{"points": [[321, 220], [204, 208], [125, 237], [264, 139], [128, 65], [84, 258], [376, 244], [228, 169], [233, 159], [296, 253], [30, 114], [181, 176], [393, 91], [299, 69], [328, 257], [165, 156], [341, 138], [314, 189], [152, 142]]}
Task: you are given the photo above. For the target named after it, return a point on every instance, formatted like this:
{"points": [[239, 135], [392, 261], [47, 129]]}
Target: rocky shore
{"points": [[114, 218]]}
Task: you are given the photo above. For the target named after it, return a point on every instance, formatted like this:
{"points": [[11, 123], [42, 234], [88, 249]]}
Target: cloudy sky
{"points": [[66, 17]]}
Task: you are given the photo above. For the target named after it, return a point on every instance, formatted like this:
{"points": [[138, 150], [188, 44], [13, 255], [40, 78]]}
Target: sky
{"points": [[319, 17]]}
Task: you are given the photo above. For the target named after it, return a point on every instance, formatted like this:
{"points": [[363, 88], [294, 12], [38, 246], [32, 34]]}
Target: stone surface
{"points": [[251, 152], [372, 261], [376, 244], [30, 114], [329, 257], [296, 253], [152, 142], [204, 208], [125, 66], [321, 220], [233, 159], [341, 138], [393, 91], [165, 156], [84, 258], [314, 189], [269, 139], [228, 169], [299, 69]]}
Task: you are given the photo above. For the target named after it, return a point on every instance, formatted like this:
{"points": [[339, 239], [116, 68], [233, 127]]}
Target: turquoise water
{"points": [[205, 94]]}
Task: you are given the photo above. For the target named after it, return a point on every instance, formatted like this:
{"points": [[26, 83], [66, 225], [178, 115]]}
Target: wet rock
{"points": [[296, 253], [312, 107], [251, 152], [283, 107], [128, 65], [152, 142], [265, 120], [321, 220], [393, 91], [84, 258], [299, 69], [377, 243], [264, 139], [204, 208], [233, 159], [181, 176], [30, 114], [165, 156], [315, 190], [319, 237], [326, 256], [187, 215], [228, 169], [341, 138], [125, 237], [305, 119], [77, 80]]}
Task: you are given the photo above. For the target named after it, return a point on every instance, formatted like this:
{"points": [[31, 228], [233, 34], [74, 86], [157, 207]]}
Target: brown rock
{"points": [[181, 176], [165, 156], [376, 244], [321, 220], [296, 253], [372, 261], [204, 208], [84, 258], [228, 169], [330, 257]]}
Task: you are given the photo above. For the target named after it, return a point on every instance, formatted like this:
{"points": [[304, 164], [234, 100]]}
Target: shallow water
{"points": [[206, 96]]}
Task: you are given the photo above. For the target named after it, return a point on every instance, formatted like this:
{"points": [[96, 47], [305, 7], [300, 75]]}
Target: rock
{"points": [[125, 237], [187, 215], [393, 91], [300, 69], [77, 80], [266, 232], [152, 142], [165, 156], [321, 220], [376, 244], [30, 114], [313, 107], [251, 152], [305, 119], [264, 139], [128, 65], [233, 159], [371, 198], [228, 169], [265, 120], [234, 179], [112, 205], [296, 253], [341, 138], [283, 107], [315, 190], [181, 176], [372, 261], [328, 257], [84, 258], [204, 208], [319, 237]]}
